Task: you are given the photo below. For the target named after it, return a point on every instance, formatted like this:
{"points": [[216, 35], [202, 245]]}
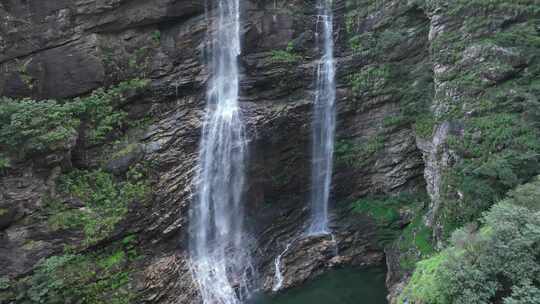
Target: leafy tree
{"points": [[500, 262]]}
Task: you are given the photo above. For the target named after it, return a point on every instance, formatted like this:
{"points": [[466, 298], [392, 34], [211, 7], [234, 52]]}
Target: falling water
{"points": [[220, 260], [278, 276], [324, 123]]}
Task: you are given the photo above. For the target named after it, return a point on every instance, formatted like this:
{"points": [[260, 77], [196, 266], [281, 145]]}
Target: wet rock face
{"points": [[59, 49]]}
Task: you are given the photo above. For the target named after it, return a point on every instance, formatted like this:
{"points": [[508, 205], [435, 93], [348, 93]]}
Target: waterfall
{"points": [[324, 125], [278, 276], [324, 122], [220, 259]]}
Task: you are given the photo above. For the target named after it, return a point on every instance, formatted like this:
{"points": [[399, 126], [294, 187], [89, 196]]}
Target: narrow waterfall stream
{"points": [[220, 259], [324, 122], [324, 125]]}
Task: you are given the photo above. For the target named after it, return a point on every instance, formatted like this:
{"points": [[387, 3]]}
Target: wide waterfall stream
{"points": [[220, 260]]}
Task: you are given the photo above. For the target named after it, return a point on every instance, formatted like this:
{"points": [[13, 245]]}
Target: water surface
{"points": [[340, 286]]}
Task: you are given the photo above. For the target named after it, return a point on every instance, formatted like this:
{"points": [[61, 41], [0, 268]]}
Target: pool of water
{"points": [[340, 286]]}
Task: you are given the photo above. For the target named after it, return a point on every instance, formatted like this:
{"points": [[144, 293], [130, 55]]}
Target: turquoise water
{"points": [[340, 286]]}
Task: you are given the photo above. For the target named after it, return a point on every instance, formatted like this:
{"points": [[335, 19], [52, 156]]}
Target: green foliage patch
{"points": [[373, 80], [356, 154], [500, 151], [415, 242], [497, 263], [92, 278], [105, 199], [285, 56], [29, 126], [386, 211]]}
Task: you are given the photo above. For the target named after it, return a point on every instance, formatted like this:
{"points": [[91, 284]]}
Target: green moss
{"points": [[392, 121], [385, 210], [128, 149], [424, 126], [415, 243]]}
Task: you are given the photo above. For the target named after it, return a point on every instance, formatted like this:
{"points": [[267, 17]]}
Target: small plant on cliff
{"points": [[285, 56], [372, 80], [358, 154], [156, 37]]}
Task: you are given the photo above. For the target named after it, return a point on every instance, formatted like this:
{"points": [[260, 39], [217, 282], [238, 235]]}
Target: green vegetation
{"points": [[499, 147], [286, 56], [385, 209], [499, 151], [424, 126], [156, 37], [93, 278], [28, 126], [415, 240], [28, 80], [356, 154], [483, 7], [4, 283], [4, 162], [105, 199], [497, 263], [126, 150], [372, 81]]}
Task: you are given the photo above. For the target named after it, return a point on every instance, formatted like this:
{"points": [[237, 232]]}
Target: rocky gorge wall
{"points": [[95, 190]]}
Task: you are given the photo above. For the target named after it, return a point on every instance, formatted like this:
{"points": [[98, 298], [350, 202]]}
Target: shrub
{"points": [[497, 263], [355, 154], [285, 56], [386, 210], [106, 201], [98, 278], [28, 126]]}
